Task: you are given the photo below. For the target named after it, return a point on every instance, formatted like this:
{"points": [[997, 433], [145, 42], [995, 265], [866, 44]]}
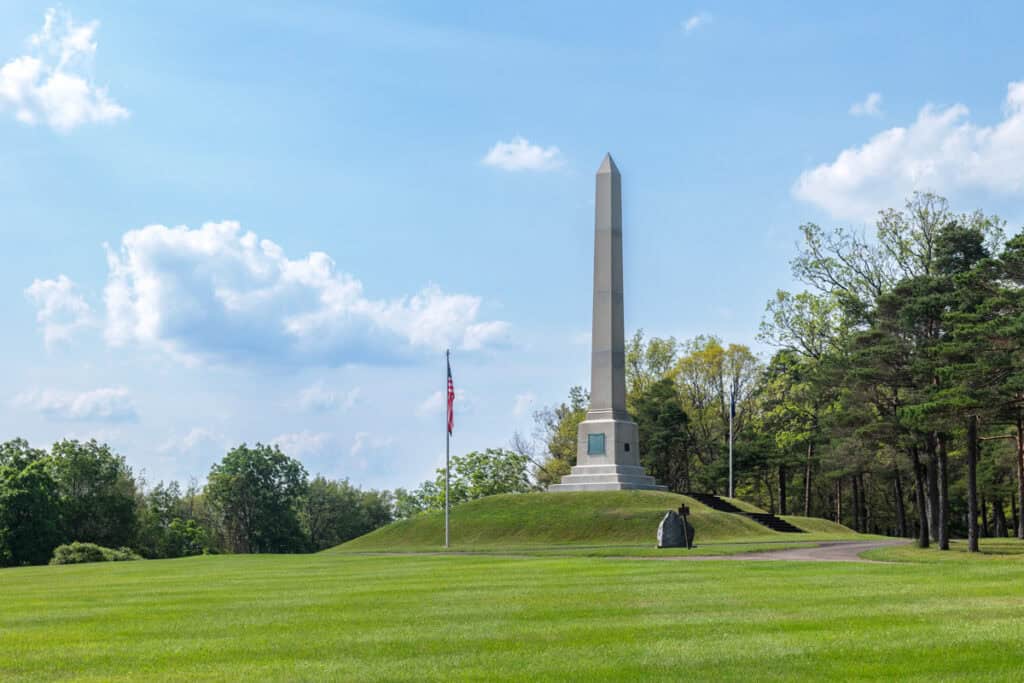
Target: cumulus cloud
{"points": [[941, 151], [870, 106], [696, 21], [520, 155], [61, 309], [365, 441], [523, 404], [52, 84], [218, 293], [437, 403], [196, 439], [303, 444], [319, 398], [108, 404]]}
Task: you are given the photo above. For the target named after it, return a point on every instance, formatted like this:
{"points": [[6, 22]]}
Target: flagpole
{"points": [[447, 440], [732, 409]]}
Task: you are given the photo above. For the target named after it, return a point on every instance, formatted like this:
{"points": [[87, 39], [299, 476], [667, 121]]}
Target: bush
{"points": [[80, 553]]}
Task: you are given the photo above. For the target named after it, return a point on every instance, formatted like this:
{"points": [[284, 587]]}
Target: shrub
{"points": [[79, 553]]}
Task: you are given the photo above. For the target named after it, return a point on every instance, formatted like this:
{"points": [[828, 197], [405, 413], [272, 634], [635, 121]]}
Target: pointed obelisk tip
{"points": [[608, 165]]}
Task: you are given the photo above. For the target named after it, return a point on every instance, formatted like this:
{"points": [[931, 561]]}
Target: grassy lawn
{"points": [[336, 616], [1009, 549]]}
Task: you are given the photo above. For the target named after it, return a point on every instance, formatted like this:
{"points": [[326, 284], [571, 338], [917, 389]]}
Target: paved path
{"points": [[832, 551], [827, 551]]}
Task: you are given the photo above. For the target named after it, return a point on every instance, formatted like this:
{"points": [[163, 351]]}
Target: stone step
{"points": [[714, 502], [617, 486], [626, 470], [607, 479], [763, 518]]}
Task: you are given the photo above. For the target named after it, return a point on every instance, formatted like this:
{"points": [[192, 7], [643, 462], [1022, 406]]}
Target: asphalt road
{"points": [[832, 551]]}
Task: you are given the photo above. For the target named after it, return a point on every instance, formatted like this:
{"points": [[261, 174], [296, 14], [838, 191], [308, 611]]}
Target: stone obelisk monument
{"points": [[607, 447]]}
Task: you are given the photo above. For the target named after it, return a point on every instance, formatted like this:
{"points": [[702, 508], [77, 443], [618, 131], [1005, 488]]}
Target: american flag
{"points": [[451, 397]]}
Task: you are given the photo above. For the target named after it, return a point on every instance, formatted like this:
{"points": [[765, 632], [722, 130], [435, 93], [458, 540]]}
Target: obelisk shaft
{"points": [[607, 362], [608, 441]]}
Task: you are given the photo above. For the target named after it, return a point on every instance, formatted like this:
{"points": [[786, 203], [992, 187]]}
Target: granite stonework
{"points": [[670, 531], [608, 445]]}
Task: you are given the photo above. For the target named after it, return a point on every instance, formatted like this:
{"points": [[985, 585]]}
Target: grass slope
{"points": [[598, 518], [332, 616]]}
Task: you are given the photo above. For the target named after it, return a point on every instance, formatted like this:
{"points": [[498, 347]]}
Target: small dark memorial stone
{"points": [[670, 531]]}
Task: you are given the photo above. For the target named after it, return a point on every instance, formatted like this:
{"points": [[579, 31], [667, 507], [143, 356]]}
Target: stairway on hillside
{"points": [[763, 518]]}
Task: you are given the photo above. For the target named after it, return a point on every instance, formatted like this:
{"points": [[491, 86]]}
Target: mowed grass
{"points": [[991, 549], [609, 519], [335, 616]]}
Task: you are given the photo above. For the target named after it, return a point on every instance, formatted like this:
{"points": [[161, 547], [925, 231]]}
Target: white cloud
{"points": [[942, 151], [523, 404], [62, 310], [220, 294], [479, 335], [365, 441], [433, 404], [871, 106], [437, 403], [197, 438], [303, 444], [696, 21], [52, 84], [318, 398], [351, 398], [520, 155], [108, 404]]}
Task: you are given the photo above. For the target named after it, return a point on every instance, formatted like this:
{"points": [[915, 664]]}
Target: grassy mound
{"points": [[598, 518], [817, 525]]}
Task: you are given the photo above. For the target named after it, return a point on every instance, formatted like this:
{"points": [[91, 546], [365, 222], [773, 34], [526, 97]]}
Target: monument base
{"points": [[607, 478]]}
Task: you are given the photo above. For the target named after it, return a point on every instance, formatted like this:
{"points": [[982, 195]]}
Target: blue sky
{"points": [[265, 221]]}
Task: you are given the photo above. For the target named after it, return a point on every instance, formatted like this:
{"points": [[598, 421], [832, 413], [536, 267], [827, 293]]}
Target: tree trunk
{"points": [[999, 518], [920, 484], [901, 511], [864, 504], [782, 490], [807, 480], [1013, 513], [983, 506], [943, 468], [1020, 475], [972, 484], [933, 489], [855, 487], [839, 500]]}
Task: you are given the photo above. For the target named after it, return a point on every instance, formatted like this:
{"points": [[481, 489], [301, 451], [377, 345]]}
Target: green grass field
{"points": [[334, 616], [543, 610]]}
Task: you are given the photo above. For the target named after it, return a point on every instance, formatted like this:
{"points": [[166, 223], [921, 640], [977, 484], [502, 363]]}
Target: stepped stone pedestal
{"points": [[607, 446], [607, 478]]}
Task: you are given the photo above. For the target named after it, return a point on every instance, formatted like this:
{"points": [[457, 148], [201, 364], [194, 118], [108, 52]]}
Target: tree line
{"points": [[256, 499], [893, 401]]}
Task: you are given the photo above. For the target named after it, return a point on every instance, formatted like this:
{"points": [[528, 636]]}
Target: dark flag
{"points": [[451, 398]]}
